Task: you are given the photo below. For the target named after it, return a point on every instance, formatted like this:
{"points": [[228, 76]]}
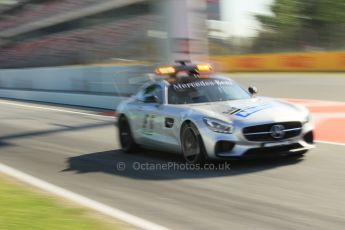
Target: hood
{"points": [[254, 110]]}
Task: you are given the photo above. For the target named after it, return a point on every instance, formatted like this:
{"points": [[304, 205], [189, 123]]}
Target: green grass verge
{"points": [[22, 208]]}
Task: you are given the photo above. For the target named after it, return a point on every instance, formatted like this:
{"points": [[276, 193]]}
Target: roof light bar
{"points": [[165, 70], [204, 67]]}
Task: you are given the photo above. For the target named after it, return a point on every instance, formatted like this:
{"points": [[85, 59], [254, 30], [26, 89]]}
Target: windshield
{"points": [[205, 90]]}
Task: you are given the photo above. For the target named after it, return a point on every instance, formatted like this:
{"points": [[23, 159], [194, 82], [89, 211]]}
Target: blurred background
{"points": [[37, 33], [273, 26], [92, 54]]}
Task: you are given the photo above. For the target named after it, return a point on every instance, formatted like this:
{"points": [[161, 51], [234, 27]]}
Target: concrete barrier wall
{"points": [[88, 100], [93, 86]]}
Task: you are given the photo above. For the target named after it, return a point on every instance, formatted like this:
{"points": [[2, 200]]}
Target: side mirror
{"points": [[152, 99], [252, 90]]}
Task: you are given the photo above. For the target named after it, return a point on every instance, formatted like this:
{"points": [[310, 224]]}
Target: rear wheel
{"points": [[192, 146], [127, 142]]}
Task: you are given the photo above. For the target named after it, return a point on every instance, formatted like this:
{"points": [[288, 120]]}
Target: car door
{"points": [[160, 123], [148, 116], [168, 123]]}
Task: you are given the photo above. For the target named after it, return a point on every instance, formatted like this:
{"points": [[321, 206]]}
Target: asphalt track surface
{"points": [[81, 153]]}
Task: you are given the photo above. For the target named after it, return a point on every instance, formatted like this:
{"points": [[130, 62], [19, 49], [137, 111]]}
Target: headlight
{"points": [[218, 126], [307, 119]]}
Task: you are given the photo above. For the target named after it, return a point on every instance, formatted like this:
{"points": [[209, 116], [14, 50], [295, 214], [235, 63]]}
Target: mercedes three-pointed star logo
{"points": [[278, 131]]}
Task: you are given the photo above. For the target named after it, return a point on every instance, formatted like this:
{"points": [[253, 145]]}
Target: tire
{"points": [[193, 149], [127, 142]]}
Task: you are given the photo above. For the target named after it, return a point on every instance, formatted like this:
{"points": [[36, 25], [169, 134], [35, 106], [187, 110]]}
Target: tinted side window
{"points": [[155, 90], [140, 95], [158, 92]]}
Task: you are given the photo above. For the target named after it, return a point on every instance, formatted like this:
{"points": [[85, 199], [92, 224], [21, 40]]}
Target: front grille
{"points": [[264, 132], [224, 147], [309, 137], [271, 151]]}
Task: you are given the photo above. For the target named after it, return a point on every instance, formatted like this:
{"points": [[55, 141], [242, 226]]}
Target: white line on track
{"points": [[330, 143], [52, 109], [81, 200], [315, 102]]}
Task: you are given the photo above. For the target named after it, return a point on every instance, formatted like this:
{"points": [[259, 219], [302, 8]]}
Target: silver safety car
{"points": [[190, 110]]}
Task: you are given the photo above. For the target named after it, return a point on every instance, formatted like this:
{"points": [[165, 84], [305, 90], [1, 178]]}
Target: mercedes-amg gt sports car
{"points": [[190, 110]]}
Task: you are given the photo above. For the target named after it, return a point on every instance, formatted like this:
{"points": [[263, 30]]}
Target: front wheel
{"points": [[127, 142], [192, 145]]}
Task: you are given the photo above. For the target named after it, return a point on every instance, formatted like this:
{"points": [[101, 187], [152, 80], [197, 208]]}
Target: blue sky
{"points": [[238, 16]]}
